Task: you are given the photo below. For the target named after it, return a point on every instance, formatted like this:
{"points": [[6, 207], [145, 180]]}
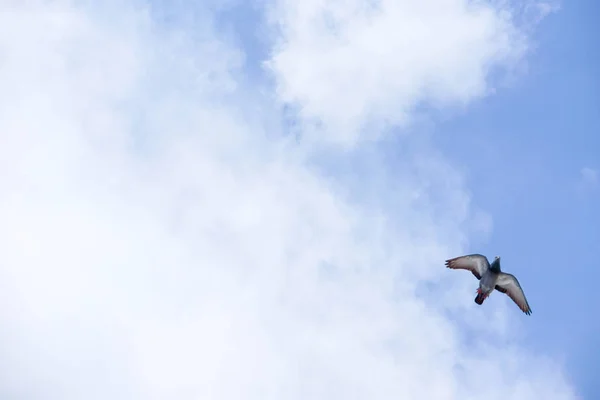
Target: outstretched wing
{"points": [[476, 263], [508, 284]]}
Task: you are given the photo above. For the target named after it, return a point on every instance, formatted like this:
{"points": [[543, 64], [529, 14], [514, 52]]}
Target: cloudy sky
{"points": [[254, 200]]}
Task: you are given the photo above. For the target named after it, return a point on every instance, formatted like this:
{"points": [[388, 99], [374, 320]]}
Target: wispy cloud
{"points": [[351, 64], [156, 242], [589, 176], [588, 181]]}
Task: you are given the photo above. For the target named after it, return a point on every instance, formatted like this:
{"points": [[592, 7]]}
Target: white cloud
{"points": [[588, 181], [589, 176], [154, 243], [349, 64]]}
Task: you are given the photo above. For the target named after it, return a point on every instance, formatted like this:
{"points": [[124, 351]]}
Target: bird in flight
{"points": [[491, 277]]}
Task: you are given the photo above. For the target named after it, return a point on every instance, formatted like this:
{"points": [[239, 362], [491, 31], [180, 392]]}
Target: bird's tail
{"points": [[480, 297]]}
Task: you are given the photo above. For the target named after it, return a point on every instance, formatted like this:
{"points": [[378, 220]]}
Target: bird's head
{"points": [[496, 264]]}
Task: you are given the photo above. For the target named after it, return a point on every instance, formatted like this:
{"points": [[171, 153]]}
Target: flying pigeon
{"points": [[490, 278]]}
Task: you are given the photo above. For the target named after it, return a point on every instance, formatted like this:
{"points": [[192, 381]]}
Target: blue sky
{"points": [[524, 149], [224, 200]]}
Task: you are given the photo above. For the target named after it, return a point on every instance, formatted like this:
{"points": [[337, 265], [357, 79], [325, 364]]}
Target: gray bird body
{"points": [[491, 277], [487, 283]]}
